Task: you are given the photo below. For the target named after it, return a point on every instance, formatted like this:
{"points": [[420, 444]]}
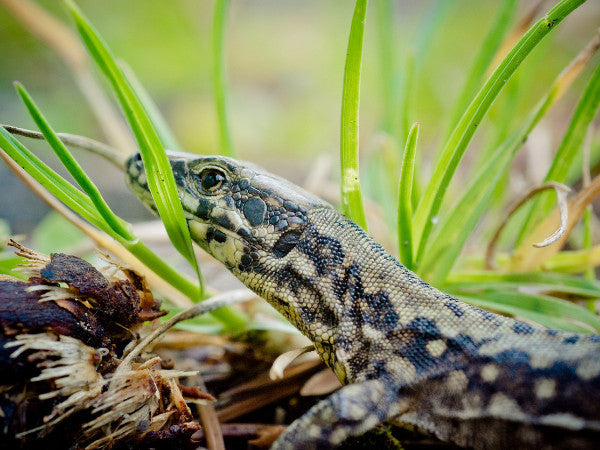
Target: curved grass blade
{"points": [[465, 129], [405, 247], [57, 190], [58, 186], [352, 202], [455, 229], [82, 205], [160, 177], [114, 222], [524, 259], [572, 142], [219, 75]]}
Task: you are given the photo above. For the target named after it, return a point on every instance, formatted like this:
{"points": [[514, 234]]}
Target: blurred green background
{"points": [[285, 63]]}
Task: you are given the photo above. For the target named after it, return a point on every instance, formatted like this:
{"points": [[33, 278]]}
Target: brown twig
{"points": [[561, 193], [216, 302], [262, 390], [109, 153], [210, 421]]}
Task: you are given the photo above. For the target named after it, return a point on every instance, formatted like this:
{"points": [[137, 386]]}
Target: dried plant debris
{"points": [[63, 334]]}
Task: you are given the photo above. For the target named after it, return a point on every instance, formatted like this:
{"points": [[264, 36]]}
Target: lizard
{"points": [[405, 352]]}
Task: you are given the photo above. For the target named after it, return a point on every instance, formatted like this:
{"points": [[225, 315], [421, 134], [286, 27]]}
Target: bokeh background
{"points": [[285, 62]]}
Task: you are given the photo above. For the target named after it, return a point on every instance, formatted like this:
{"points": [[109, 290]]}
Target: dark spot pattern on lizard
{"points": [[286, 242], [522, 328], [571, 339], [219, 236], [254, 210], [453, 306], [325, 252]]}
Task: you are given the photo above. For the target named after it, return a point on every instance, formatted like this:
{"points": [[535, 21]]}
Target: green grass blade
{"points": [[158, 121], [405, 198], [456, 227], [576, 261], [501, 127], [572, 142], [461, 136], [115, 223], [547, 281], [352, 202], [53, 182], [82, 205], [219, 76], [160, 177], [9, 262], [487, 50], [544, 304], [585, 111], [548, 311]]}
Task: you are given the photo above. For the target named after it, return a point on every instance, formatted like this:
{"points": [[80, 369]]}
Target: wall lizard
{"points": [[404, 351]]}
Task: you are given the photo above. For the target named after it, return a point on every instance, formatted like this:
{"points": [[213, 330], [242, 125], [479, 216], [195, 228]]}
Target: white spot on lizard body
{"points": [[545, 388], [589, 368], [489, 372], [436, 348], [457, 381], [503, 406]]}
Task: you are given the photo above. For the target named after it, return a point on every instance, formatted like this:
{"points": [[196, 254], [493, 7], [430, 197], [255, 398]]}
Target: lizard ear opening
{"points": [[286, 242]]}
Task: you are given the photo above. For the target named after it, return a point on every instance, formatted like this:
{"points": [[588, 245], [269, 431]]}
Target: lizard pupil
{"points": [[211, 179]]}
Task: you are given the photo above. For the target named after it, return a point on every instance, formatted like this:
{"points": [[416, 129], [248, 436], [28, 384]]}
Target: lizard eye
{"points": [[211, 179]]}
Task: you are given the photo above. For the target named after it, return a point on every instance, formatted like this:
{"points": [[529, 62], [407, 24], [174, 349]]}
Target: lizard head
{"points": [[265, 230], [238, 212]]}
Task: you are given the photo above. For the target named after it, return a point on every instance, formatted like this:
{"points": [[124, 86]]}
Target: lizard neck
{"points": [[343, 291], [356, 302]]}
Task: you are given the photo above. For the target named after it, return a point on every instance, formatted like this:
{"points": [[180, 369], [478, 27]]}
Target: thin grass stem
{"points": [[405, 247], [219, 76], [352, 202]]}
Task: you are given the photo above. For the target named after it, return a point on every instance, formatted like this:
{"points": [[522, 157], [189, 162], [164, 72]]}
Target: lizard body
{"points": [[404, 351]]}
